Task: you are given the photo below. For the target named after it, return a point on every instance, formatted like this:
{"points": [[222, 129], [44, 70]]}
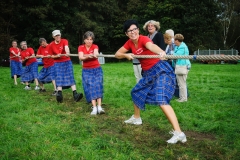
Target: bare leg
{"points": [[59, 88], [54, 85], [94, 103], [73, 87], [41, 85], [15, 79], [36, 81], [99, 101], [170, 114], [136, 111]]}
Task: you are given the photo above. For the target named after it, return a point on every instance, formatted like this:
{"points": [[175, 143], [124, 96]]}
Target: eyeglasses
{"points": [[132, 30]]}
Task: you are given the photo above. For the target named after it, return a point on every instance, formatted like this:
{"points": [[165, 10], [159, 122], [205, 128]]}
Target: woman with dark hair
{"points": [[92, 74], [158, 82]]}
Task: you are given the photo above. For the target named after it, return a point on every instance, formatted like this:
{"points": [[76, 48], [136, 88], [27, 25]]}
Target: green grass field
{"points": [[34, 126]]}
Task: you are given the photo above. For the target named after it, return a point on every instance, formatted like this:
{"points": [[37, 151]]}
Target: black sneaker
{"points": [[42, 90], [54, 93], [77, 96], [59, 97]]}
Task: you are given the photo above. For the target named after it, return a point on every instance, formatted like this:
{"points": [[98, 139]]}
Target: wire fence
{"points": [[216, 52], [232, 52]]}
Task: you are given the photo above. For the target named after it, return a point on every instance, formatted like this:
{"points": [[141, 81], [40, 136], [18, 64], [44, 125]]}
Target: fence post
{"points": [[101, 60]]}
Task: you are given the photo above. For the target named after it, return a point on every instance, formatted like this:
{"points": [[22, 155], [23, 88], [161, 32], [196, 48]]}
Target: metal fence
{"points": [[216, 52]]}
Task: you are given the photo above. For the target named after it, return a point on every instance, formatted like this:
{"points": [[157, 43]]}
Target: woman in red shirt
{"points": [[30, 72], [92, 74], [158, 83], [16, 65]]}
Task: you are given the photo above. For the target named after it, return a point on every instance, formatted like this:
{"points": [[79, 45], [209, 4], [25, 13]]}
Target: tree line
{"points": [[204, 24]]}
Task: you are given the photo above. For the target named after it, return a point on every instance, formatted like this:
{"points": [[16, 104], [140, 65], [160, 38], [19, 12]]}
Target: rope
{"points": [[193, 57]]}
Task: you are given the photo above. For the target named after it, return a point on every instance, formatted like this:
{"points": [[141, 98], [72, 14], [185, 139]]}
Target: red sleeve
{"points": [[65, 42], [31, 51], [95, 46], [81, 48], [127, 45], [146, 39], [39, 51]]}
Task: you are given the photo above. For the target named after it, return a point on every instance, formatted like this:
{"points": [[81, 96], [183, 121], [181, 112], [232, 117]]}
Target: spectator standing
{"points": [[181, 49]]}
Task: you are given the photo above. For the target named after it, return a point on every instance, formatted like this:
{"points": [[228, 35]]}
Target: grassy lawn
{"points": [[34, 126]]}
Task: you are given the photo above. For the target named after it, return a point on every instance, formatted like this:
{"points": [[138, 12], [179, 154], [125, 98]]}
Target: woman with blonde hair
{"points": [[152, 27]]}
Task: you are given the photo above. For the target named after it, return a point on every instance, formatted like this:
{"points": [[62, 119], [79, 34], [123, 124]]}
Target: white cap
{"points": [[56, 32]]}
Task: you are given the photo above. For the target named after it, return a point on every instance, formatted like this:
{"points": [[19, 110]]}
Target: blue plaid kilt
{"points": [[30, 73], [64, 74], [47, 75], [92, 80], [16, 68], [156, 87]]}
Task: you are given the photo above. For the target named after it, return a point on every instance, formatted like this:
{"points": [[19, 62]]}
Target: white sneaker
{"points": [[94, 111], [181, 100], [132, 120], [27, 88], [37, 88], [100, 110], [177, 136]]}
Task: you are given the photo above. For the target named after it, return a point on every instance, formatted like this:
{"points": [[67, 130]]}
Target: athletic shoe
{"points": [[135, 121], [181, 100], [54, 93], [27, 88], [37, 88], [177, 136], [42, 90], [100, 110], [94, 111], [59, 97], [77, 96]]}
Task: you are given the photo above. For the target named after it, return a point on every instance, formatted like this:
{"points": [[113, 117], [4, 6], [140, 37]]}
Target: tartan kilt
{"points": [[47, 75], [92, 80], [156, 87], [64, 74], [30, 72], [16, 68]]}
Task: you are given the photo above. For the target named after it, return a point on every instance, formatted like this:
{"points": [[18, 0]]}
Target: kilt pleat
{"points": [[64, 74], [16, 68], [30, 72], [92, 80], [156, 87], [47, 75]]}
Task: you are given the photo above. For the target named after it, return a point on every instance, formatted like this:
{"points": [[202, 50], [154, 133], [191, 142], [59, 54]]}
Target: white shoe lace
{"points": [[174, 137]]}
